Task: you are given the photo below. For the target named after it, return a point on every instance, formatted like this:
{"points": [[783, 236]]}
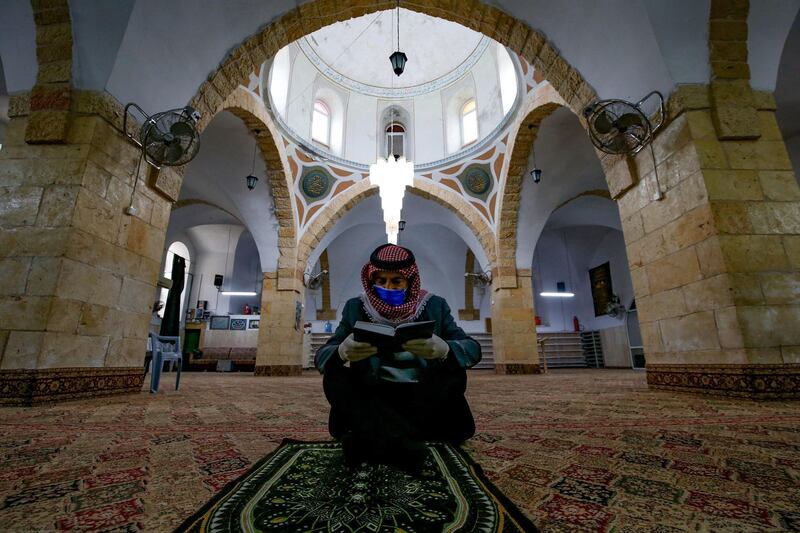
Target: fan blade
{"points": [[160, 124], [182, 129], [602, 123], [617, 144], [174, 153], [629, 120], [156, 152]]}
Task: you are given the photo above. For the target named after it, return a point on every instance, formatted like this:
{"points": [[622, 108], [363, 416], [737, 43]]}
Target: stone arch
{"points": [[248, 108], [308, 17], [540, 106], [341, 204]]}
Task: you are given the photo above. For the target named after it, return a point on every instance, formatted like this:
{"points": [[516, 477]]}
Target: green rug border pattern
{"points": [[522, 522]]}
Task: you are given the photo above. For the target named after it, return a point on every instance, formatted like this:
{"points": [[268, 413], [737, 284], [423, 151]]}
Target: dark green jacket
{"points": [[465, 351]]}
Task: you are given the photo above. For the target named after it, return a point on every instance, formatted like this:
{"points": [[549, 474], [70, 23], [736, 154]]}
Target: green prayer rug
{"points": [[304, 486]]}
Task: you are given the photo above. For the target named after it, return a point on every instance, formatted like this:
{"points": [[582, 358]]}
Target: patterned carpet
{"points": [[590, 450]]}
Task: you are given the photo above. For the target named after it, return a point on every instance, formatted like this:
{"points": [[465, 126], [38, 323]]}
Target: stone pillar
{"points": [[469, 312], [513, 327], [77, 275], [280, 342], [326, 313], [715, 264]]}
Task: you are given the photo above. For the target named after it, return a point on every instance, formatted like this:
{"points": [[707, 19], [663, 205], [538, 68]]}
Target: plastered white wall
{"points": [[215, 245], [586, 247], [429, 133], [487, 93], [360, 138]]}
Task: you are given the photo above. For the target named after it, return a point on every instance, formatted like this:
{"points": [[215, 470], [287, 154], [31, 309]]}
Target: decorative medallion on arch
{"points": [[477, 181], [315, 183], [475, 178]]}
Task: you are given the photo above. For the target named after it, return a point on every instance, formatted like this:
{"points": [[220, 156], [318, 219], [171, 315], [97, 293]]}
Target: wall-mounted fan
{"points": [[615, 308], [169, 138], [620, 127]]}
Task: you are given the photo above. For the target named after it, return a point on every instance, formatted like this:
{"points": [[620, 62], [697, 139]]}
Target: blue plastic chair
{"points": [[165, 349]]}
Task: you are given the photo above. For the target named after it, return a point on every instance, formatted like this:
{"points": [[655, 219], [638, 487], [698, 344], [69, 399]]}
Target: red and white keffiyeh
{"points": [[393, 258]]}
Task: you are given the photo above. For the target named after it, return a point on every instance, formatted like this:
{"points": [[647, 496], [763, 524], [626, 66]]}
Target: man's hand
{"points": [[351, 350], [433, 348]]}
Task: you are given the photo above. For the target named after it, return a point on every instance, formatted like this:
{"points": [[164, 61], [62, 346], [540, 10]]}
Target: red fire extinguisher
{"points": [[576, 324]]}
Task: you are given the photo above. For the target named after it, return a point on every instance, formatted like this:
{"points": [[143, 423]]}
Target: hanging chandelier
{"points": [[393, 173], [398, 58]]}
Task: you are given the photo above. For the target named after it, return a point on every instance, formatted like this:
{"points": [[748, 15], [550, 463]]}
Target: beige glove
{"points": [[351, 350], [433, 348]]}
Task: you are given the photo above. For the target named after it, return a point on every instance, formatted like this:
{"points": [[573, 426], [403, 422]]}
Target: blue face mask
{"points": [[393, 297]]}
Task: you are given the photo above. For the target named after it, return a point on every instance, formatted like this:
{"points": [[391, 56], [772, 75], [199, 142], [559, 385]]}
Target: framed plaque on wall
{"points": [[602, 291], [219, 322]]}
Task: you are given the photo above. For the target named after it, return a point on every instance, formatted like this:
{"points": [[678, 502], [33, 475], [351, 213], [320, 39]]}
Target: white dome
{"points": [[335, 93], [356, 52]]}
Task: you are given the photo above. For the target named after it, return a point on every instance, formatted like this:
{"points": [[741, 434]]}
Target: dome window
{"points": [[469, 123], [321, 123], [395, 139]]}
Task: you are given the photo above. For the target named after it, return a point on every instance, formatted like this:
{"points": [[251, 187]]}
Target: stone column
{"points": [[469, 312], [326, 313], [77, 275], [280, 342], [513, 327], [716, 263]]}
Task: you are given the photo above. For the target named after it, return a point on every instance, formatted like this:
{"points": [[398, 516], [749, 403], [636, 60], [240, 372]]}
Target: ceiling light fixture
{"points": [[391, 175], [398, 58], [252, 179], [536, 173], [238, 293]]}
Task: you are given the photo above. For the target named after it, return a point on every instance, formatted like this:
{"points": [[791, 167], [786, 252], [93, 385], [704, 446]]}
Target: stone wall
{"points": [[715, 262], [78, 274], [280, 344], [513, 328]]}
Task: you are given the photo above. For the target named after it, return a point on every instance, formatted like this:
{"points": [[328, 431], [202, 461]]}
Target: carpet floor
{"points": [[581, 450]]}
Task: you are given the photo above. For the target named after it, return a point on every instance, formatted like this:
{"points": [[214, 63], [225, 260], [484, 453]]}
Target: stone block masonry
{"points": [[714, 263]]}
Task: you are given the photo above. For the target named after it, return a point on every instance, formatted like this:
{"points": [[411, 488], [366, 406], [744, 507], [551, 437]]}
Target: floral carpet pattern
{"points": [[579, 450], [305, 486]]}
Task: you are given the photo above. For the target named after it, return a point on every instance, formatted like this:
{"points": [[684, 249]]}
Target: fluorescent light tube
{"points": [[557, 294], [237, 293]]}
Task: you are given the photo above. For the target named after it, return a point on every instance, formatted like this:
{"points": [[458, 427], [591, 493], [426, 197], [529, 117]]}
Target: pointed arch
{"points": [[250, 109], [540, 106], [341, 204], [308, 17]]}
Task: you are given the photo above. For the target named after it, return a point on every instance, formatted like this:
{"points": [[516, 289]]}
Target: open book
{"points": [[385, 336]]}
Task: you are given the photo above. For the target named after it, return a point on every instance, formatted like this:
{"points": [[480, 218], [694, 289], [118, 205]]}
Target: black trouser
{"points": [[434, 409]]}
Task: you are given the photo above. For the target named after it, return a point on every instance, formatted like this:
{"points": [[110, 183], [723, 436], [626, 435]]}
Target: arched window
{"points": [[179, 249], [395, 139], [469, 123], [321, 123]]}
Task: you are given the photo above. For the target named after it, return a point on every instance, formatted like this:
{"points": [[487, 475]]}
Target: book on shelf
{"points": [[392, 337]]}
